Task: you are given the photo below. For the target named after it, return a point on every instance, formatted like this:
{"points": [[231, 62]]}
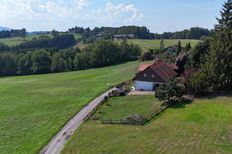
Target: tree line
{"points": [[59, 41], [43, 42], [143, 32], [38, 61], [193, 33], [213, 57], [13, 33]]}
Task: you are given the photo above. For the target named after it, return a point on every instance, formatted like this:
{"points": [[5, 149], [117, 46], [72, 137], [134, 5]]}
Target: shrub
{"points": [[174, 90], [198, 84]]}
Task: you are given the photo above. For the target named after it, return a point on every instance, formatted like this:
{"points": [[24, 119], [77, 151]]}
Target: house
{"points": [[150, 76], [100, 36], [170, 49], [124, 36]]}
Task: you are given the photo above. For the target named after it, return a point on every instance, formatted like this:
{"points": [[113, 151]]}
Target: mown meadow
{"points": [[155, 44], [33, 108], [117, 108], [204, 126]]}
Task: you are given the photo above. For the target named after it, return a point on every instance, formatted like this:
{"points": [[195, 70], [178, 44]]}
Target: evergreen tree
{"points": [[188, 46], [218, 66], [54, 33], [162, 44], [24, 34], [179, 48]]}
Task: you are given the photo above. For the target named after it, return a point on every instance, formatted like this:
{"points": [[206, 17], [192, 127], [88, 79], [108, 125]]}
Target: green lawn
{"points": [[34, 108], [121, 107], [205, 126], [155, 44]]}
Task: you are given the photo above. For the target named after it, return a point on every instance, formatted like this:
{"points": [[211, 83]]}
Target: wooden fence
{"points": [[141, 122], [95, 109], [120, 86]]}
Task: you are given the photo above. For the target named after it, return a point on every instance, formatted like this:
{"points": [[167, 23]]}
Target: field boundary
{"points": [[140, 122]]}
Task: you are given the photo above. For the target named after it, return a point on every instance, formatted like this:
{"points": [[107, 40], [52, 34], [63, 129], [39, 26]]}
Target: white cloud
{"points": [[61, 14], [82, 3], [120, 9]]}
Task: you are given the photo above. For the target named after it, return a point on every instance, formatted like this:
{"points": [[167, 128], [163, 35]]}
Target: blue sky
{"points": [[157, 15]]}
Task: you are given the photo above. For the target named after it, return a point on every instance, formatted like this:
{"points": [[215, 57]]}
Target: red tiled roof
{"points": [[142, 67], [160, 68], [173, 66]]}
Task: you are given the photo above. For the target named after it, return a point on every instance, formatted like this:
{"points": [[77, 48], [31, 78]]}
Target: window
{"points": [[145, 75], [153, 76]]}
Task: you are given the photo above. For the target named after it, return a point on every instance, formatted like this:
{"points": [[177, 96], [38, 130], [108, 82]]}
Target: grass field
{"points": [[17, 40], [122, 107], [205, 126], [155, 44], [34, 108]]}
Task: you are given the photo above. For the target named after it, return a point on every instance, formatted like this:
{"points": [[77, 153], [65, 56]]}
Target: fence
{"points": [[95, 109], [142, 121], [120, 86]]}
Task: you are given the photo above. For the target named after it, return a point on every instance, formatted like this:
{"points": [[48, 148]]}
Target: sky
{"points": [[158, 15]]}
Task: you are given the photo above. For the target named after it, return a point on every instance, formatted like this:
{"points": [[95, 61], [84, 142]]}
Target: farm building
{"points": [[150, 76], [124, 36], [170, 49]]}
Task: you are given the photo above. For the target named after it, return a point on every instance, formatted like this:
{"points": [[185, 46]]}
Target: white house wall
{"points": [[142, 85]]}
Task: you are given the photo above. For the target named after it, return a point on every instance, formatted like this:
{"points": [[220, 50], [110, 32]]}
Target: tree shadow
{"points": [[178, 104]]}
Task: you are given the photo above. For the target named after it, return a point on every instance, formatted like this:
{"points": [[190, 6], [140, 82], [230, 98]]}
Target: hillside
{"points": [[34, 108], [203, 126], [155, 44], [18, 40]]}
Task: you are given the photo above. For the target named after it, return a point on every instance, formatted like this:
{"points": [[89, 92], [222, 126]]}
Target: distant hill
{"points": [[4, 29], [38, 33]]}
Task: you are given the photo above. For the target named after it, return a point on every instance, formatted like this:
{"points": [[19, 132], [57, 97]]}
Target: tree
{"points": [[197, 56], [105, 53], [147, 56], [23, 33], [188, 46], [8, 65], [218, 66], [124, 46], [179, 48], [25, 64], [198, 84], [58, 63], [162, 44], [54, 33], [41, 62], [173, 90], [82, 61], [69, 56]]}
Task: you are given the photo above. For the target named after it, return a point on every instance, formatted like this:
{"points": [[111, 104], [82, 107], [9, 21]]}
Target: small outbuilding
{"points": [[150, 76]]}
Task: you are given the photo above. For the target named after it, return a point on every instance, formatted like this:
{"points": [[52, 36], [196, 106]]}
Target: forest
{"points": [[33, 59]]}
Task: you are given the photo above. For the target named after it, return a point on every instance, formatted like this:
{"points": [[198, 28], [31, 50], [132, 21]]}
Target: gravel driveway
{"points": [[57, 143]]}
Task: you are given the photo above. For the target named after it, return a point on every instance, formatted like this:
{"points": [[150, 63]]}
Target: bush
{"points": [[172, 91], [147, 56], [198, 84]]}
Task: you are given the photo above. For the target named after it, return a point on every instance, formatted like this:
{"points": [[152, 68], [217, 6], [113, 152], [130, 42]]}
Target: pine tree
{"points": [[218, 66], [188, 46], [179, 48], [162, 44]]}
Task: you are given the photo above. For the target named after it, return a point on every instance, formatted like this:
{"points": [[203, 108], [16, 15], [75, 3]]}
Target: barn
{"points": [[150, 76]]}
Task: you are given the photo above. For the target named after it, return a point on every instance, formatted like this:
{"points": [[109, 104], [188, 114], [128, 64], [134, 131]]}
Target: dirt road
{"points": [[57, 143]]}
